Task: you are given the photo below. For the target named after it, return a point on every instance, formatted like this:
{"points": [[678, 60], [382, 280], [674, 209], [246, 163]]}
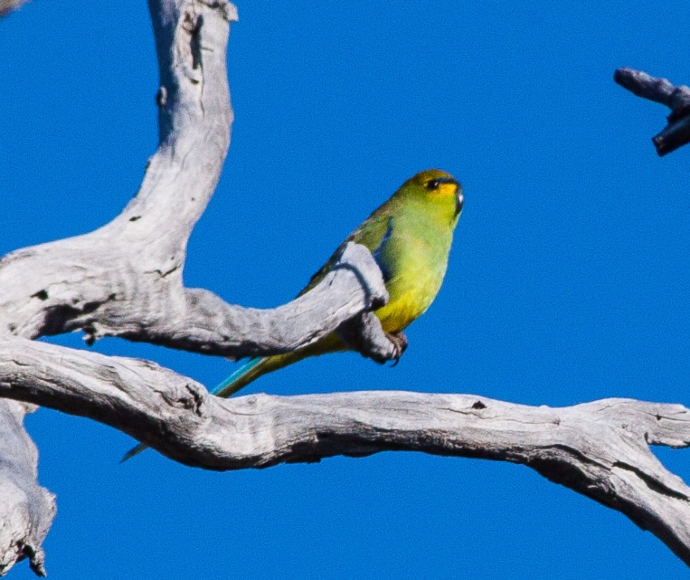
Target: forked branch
{"points": [[125, 279]]}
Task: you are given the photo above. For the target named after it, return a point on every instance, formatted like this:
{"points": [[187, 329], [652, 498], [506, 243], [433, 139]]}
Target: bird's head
{"points": [[438, 187]]}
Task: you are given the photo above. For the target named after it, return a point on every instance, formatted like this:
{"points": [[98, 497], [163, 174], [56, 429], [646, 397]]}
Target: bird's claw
{"points": [[400, 343], [364, 334]]}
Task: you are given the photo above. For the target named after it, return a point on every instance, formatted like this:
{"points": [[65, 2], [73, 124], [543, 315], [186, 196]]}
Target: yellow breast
{"points": [[409, 299]]}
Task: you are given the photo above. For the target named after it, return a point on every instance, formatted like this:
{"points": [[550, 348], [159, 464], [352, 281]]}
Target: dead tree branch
{"points": [[27, 509], [125, 278], [599, 449], [677, 98], [7, 6]]}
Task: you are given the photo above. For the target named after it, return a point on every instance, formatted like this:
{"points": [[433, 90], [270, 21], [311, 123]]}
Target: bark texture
{"points": [[677, 98], [27, 509], [125, 280], [7, 6], [599, 449]]}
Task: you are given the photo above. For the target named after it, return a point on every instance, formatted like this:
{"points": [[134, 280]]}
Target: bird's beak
{"points": [[459, 200]]}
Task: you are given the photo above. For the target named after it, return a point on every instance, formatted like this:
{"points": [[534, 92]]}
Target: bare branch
{"points": [[27, 509], [677, 98], [79, 284], [599, 449], [7, 6], [125, 279]]}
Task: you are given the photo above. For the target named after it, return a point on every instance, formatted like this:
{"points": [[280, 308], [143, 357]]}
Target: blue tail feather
{"points": [[249, 365]]}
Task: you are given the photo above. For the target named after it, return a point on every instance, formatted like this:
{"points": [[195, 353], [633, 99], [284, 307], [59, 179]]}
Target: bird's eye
{"points": [[433, 184]]}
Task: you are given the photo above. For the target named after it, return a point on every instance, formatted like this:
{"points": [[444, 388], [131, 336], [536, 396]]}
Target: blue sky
{"points": [[567, 281]]}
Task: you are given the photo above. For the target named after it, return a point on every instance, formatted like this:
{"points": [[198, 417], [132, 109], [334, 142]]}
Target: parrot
{"points": [[409, 236]]}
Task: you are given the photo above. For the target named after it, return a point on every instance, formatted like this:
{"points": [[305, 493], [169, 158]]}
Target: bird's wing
{"points": [[373, 234], [378, 252]]}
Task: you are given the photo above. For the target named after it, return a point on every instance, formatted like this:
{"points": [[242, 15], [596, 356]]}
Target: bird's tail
{"points": [[133, 451], [241, 377], [259, 366]]}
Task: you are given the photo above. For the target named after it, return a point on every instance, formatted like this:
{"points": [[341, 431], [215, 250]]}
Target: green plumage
{"points": [[410, 237]]}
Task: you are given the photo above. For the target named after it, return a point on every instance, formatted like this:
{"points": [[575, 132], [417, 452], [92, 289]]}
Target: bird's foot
{"points": [[400, 343], [364, 334]]}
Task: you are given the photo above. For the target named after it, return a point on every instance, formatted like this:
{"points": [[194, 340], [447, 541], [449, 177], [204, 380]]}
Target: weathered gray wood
{"points": [[125, 279], [599, 449], [677, 130], [27, 510], [6, 6]]}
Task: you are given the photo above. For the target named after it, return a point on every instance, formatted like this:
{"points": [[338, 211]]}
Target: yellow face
{"points": [[438, 185]]}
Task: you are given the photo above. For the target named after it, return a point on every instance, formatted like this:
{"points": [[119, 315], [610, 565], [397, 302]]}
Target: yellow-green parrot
{"points": [[410, 237]]}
